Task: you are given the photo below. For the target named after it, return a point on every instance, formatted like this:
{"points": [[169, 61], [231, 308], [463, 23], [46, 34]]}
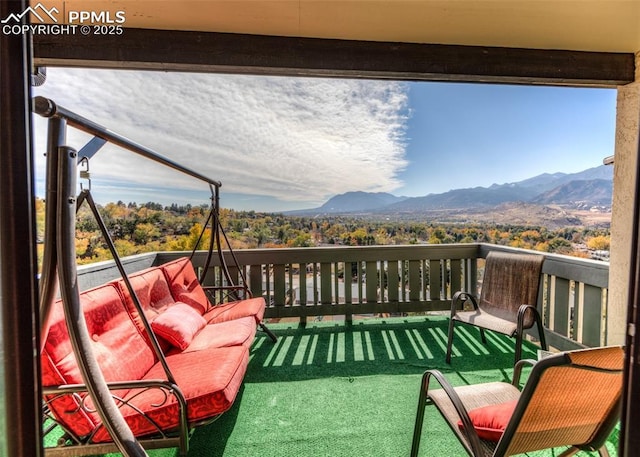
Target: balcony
{"points": [[357, 327]]}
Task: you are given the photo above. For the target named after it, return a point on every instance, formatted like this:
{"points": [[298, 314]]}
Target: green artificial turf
{"points": [[335, 390]]}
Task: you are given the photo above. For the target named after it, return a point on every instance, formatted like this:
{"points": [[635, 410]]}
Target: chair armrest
{"points": [[522, 311], [459, 298], [517, 370], [168, 388], [469, 429]]}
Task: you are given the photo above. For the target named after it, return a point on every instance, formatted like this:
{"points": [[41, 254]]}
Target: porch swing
{"points": [[113, 379]]}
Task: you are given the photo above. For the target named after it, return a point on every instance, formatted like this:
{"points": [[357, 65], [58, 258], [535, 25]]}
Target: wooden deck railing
{"points": [[303, 283]]}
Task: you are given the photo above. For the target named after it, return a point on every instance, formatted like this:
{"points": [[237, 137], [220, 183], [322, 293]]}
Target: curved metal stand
{"points": [[217, 235], [60, 256], [59, 260], [48, 279], [79, 336]]}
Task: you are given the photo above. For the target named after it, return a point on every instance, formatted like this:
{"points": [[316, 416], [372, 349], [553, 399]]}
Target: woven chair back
{"points": [[573, 403], [509, 281]]}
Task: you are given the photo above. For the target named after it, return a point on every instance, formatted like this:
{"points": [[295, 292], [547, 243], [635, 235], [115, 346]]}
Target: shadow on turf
{"points": [[371, 348]]}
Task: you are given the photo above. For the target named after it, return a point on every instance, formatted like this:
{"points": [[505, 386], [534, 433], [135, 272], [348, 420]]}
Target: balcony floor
{"points": [[335, 390]]}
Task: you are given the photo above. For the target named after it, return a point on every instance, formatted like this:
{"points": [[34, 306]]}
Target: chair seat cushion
{"points": [[178, 325], [490, 421], [488, 320]]}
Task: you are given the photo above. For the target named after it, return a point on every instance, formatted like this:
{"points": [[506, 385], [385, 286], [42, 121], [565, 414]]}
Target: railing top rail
{"points": [[349, 253], [592, 272]]}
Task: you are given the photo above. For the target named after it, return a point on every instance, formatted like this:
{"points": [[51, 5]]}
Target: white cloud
{"points": [[293, 139]]}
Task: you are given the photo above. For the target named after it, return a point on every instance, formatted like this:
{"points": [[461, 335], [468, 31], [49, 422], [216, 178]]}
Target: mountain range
{"points": [[578, 191]]}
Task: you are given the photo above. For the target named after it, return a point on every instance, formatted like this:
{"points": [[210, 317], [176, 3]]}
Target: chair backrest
{"points": [[571, 398], [509, 281]]}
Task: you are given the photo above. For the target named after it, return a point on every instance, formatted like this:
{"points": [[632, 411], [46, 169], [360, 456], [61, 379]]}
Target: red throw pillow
{"points": [[178, 325], [490, 421]]}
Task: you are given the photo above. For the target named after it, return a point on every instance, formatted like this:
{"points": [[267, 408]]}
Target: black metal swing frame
{"points": [[59, 267]]}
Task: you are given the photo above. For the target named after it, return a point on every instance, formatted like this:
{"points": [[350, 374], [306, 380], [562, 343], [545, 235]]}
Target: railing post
{"points": [[561, 303], [255, 280], [415, 284], [435, 285], [588, 318], [371, 286], [325, 283], [471, 276], [455, 281], [393, 281], [279, 285], [302, 287]]}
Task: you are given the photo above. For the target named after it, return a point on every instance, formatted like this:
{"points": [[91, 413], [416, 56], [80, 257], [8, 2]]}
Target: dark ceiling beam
{"points": [[145, 49]]}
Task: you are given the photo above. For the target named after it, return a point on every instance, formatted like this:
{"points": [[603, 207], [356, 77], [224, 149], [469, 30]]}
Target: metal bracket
{"points": [[91, 148], [85, 174]]}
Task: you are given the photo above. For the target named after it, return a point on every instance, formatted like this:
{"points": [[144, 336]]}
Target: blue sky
{"points": [[291, 143], [467, 135]]}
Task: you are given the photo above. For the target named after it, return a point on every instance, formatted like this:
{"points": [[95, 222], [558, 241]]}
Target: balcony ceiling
{"points": [[561, 42], [584, 25]]}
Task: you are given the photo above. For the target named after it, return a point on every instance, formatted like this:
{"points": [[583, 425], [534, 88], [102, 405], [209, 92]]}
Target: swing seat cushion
{"points": [[237, 332], [207, 351], [209, 380], [154, 287], [160, 288], [152, 290], [120, 349]]}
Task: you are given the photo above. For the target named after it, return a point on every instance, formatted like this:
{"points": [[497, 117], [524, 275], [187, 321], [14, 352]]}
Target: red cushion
{"points": [[152, 289], [118, 346], [236, 310], [209, 392], [238, 332], [490, 421], [178, 325], [184, 284]]}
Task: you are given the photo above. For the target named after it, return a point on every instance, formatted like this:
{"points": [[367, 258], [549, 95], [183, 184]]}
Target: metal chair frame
{"points": [[476, 447], [526, 313]]}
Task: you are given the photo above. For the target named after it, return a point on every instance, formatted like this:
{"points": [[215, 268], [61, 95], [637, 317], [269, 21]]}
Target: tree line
{"points": [[138, 228]]}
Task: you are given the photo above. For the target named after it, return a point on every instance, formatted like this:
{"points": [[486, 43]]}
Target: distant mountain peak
{"points": [[359, 201], [593, 186]]}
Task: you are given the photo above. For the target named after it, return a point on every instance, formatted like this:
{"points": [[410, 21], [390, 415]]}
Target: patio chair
{"points": [[507, 301], [570, 399]]}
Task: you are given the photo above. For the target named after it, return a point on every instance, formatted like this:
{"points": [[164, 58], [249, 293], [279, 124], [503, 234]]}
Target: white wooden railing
{"points": [[302, 283]]}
